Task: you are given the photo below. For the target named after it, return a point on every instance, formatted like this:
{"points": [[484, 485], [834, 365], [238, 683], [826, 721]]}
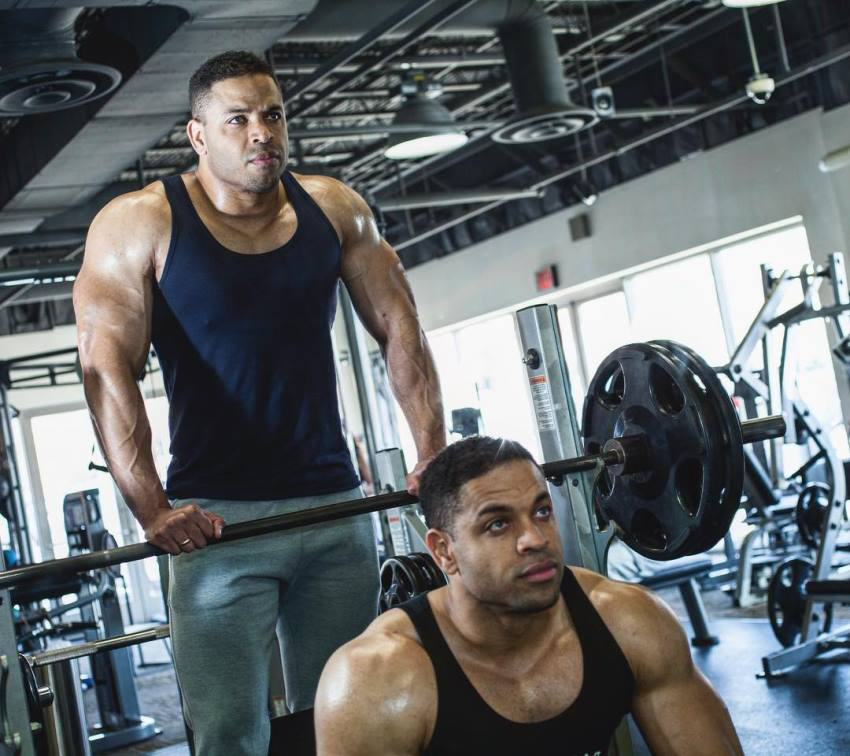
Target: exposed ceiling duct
{"points": [[39, 68], [39, 178], [544, 110]]}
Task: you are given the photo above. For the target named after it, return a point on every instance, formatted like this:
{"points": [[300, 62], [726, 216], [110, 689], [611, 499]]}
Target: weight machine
{"points": [[800, 618]]}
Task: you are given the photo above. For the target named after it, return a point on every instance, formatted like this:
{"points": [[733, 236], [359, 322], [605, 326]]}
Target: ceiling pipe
{"points": [[53, 273], [472, 60], [43, 238], [459, 197], [374, 129]]}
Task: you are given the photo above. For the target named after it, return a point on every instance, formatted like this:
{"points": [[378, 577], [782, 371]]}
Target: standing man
{"points": [[231, 272]]}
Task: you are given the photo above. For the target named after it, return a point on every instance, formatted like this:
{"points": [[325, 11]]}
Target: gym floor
{"points": [[804, 714]]}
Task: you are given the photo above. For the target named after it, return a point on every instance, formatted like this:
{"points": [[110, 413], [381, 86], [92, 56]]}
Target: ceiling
{"points": [[677, 68]]}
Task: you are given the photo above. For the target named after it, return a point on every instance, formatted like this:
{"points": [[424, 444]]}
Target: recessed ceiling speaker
{"points": [[543, 109], [39, 68]]}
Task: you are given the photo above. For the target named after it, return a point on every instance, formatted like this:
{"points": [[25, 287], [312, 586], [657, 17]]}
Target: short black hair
{"points": [[458, 463], [226, 65]]}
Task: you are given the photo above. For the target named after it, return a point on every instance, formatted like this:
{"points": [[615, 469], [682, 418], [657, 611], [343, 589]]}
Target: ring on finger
{"points": [[183, 543]]}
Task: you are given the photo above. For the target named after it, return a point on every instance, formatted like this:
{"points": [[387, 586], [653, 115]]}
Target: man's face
{"points": [[505, 541], [244, 132]]}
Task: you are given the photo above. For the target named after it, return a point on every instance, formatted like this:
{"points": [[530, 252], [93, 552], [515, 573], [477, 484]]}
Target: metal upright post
{"points": [[356, 348], [558, 430], [17, 522], [15, 729], [584, 543]]}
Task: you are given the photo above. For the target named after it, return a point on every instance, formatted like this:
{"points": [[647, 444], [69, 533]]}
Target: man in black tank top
{"points": [[232, 271], [518, 654]]}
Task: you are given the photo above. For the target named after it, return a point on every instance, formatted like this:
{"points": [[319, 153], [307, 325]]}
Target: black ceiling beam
{"points": [[434, 22], [44, 238], [351, 51]]}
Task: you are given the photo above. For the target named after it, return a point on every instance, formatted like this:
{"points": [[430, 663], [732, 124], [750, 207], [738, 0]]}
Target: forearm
{"points": [[124, 434], [414, 382]]}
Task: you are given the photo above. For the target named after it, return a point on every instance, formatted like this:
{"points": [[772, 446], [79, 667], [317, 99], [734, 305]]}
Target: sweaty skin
{"points": [[514, 639], [240, 138]]}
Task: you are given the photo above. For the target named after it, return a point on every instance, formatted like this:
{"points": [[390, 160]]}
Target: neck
{"points": [[228, 199], [494, 630]]}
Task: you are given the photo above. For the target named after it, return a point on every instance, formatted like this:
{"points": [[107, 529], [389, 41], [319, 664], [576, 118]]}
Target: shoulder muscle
{"points": [[377, 695]]}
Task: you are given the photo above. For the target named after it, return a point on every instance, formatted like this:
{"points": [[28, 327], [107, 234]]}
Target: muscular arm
{"points": [[112, 302], [675, 707], [375, 698], [382, 297]]}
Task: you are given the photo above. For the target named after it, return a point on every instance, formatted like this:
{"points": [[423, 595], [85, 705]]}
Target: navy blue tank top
{"points": [[467, 725], [244, 342]]}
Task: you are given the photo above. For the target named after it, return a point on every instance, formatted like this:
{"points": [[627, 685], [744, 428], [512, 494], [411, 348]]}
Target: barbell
{"points": [[664, 443]]}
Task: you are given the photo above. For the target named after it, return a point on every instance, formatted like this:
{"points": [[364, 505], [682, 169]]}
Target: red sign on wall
{"points": [[547, 278]]}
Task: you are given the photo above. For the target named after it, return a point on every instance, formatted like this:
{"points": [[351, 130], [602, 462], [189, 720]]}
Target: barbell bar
{"points": [[626, 455], [79, 650]]}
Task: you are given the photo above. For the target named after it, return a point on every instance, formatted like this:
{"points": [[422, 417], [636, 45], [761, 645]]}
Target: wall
{"points": [[757, 180]]}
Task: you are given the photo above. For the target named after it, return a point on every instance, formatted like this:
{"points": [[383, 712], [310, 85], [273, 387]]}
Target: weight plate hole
{"points": [[611, 387], [665, 391], [688, 482], [648, 530]]}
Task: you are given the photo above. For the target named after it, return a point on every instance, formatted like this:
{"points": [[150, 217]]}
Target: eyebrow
{"points": [[231, 111], [497, 508]]}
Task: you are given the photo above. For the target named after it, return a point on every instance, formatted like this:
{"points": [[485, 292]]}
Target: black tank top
{"points": [[467, 725], [244, 342]]}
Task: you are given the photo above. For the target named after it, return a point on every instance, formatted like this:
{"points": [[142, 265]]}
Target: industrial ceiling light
{"points": [[438, 133], [760, 86], [749, 3]]}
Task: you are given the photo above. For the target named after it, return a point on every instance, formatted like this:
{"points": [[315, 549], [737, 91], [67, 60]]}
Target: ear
{"points": [[439, 543], [195, 131]]}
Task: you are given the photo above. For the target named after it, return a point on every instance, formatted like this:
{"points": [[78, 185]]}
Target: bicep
{"points": [[112, 298], [378, 287]]}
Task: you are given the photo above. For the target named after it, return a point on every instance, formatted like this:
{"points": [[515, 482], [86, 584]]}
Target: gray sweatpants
{"points": [[317, 586]]}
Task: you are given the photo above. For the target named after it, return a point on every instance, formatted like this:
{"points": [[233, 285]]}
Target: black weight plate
{"points": [[666, 393], [398, 584], [420, 577], [812, 507], [786, 601], [435, 574], [424, 575], [729, 451]]}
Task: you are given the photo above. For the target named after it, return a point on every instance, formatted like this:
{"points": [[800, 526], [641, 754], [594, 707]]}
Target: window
{"points": [[604, 325], [63, 466], [480, 366], [678, 302], [578, 382]]}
